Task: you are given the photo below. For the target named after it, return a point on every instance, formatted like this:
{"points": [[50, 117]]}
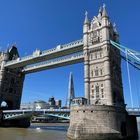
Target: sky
{"points": [[44, 24]]}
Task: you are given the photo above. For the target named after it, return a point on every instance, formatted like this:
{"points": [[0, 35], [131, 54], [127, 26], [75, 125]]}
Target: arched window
{"points": [[102, 92], [93, 96], [91, 56], [95, 55], [97, 92], [101, 55], [96, 72], [91, 73], [101, 72]]}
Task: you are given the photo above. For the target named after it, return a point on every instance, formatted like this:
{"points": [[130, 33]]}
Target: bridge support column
{"points": [[99, 122], [11, 81], [11, 86]]}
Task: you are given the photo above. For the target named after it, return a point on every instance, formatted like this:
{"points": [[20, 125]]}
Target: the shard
{"points": [[70, 94]]}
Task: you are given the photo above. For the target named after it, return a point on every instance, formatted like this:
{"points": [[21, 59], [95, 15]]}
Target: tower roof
{"points": [[86, 18], [104, 14], [100, 10]]}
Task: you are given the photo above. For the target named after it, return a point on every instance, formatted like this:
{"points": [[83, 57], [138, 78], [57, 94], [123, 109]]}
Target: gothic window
{"points": [[102, 93], [101, 55], [101, 72], [95, 55], [91, 73], [97, 91], [94, 34], [91, 56], [92, 93], [96, 72]]}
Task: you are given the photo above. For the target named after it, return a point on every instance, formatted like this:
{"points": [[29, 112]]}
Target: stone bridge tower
{"points": [[11, 80], [102, 62], [104, 117]]}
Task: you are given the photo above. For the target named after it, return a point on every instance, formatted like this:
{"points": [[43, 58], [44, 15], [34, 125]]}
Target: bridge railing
{"points": [[65, 46], [133, 109], [36, 110]]}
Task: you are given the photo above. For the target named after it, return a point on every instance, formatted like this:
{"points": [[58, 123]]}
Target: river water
{"points": [[48, 131]]}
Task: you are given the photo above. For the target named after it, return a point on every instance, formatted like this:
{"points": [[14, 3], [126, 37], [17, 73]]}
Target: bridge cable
{"points": [[131, 63], [131, 53], [133, 58], [129, 80]]}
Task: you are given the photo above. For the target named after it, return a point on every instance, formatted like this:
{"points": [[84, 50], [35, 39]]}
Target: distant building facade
{"points": [[27, 106], [40, 104]]}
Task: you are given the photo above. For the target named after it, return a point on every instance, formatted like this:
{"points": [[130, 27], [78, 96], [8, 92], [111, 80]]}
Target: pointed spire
{"points": [[114, 27], [100, 10], [104, 14], [70, 90], [86, 18]]}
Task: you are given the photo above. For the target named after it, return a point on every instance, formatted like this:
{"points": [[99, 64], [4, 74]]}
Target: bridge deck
{"points": [[62, 113]]}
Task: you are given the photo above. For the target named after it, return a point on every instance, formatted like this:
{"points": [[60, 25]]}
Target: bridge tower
{"points": [[11, 80], [102, 62], [105, 116]]}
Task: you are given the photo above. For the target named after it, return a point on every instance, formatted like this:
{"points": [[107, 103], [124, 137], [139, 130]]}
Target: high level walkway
{"points": [[54, 63], [38, 56]]}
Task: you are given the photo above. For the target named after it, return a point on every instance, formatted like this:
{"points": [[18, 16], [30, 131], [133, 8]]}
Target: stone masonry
{"points": [[103, 83], [11, 80]]}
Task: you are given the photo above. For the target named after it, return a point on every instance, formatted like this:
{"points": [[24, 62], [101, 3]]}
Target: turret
{"points": [[116, 35], [4, 57], [104, 14], [85, 29], [86, 23], [105, 24], [100, 13], [86, 58]]}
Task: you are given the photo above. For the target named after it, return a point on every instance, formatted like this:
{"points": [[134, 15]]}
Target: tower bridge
{"points": [[104, 116]]}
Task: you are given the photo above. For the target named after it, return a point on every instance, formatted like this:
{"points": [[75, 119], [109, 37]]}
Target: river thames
{"points": [[44, 131]]}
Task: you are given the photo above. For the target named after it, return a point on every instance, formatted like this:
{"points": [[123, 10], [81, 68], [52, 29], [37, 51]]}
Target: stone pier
{"points": [[96, 122]]}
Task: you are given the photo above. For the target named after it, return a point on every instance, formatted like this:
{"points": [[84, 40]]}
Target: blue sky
{"points": [[43, 24]]}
